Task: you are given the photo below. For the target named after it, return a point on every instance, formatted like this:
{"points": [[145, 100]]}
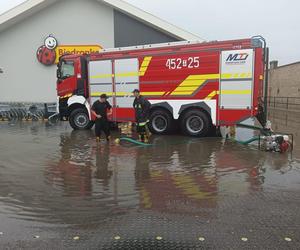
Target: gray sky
{"points": [[277, 20]]}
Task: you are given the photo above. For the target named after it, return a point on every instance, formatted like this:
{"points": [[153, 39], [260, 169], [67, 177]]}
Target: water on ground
{"points": [[59, 189]]}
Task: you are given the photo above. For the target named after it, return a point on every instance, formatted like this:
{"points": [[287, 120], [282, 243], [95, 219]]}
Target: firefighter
{"points": [[101, 109], [142, 110]]}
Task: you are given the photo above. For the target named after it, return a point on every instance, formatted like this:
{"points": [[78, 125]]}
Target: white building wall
{"points": [[71, 22]]}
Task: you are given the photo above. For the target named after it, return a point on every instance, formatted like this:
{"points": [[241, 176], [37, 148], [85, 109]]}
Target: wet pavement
{"points": [[59, 189]]}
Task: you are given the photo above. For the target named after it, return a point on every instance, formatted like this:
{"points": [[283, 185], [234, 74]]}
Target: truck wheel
{"points": [[195, 123], [79, 119], [161, 122]]}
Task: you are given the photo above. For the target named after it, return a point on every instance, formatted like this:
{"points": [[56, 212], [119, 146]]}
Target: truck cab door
{"points": [[66, 83]]}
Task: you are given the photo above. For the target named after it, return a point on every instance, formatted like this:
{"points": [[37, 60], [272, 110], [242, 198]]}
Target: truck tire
{"points": [[79, 119], [195, 123], [161, 122]]}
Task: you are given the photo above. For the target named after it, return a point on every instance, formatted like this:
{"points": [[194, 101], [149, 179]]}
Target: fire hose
{"points": [[255, 138], [127, 139]]}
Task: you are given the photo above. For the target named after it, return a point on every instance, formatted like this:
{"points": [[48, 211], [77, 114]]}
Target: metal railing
{"points": [[287, 103]]}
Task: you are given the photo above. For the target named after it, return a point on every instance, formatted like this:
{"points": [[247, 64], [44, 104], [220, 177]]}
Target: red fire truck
{"points": [[196, 85]]}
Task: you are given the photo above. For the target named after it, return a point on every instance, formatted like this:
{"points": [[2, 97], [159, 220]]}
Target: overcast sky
{"points": [[277, 20]]}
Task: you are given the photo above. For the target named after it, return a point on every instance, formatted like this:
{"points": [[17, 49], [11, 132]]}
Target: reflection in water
{"points": [[59, 176], [74, 170]]}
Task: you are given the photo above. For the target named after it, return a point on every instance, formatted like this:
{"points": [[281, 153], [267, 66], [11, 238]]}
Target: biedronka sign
{"points": [[49, 53]]}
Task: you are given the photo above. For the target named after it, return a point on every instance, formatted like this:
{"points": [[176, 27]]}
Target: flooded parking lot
{"points": [[59, 189]]}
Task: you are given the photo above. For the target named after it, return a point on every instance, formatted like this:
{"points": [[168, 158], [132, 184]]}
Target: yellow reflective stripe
{"points": [[236, 75], [97, 94], [145, 64], [102, 76], [124, 94], [189, 85], [125, 74], [65, 96], [228, 92], [192, 83], [146, 61], [186, 88], [212, 95], [156, 93], [204, 77], [182, 93], [236, 92]]}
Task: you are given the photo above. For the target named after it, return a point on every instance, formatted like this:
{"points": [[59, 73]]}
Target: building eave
{"points": [[22, 11], [30, 7]]}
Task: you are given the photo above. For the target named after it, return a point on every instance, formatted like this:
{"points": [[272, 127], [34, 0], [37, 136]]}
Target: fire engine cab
{"points": [[196, 85]]}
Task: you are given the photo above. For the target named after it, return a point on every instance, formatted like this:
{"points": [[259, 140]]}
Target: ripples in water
{"points": [[55, 175]]}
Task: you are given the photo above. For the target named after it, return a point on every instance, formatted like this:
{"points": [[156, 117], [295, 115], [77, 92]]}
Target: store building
{"points": [[34, 34]]}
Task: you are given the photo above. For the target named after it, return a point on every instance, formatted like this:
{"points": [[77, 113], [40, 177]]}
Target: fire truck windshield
{"points": [[66, 69]]}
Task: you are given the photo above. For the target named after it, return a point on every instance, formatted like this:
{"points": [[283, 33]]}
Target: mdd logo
{"points": [[237, 58]]}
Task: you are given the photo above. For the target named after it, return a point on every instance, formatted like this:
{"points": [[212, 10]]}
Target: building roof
{"points": [[287, 65], [30, 7]]}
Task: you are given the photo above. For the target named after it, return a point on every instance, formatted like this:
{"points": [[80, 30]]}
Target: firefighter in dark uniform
{"points": [[142, 112], [101, 109]]}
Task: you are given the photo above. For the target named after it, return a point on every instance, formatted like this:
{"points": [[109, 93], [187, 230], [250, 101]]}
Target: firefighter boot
{"points": [[142, 137], [147, 133], [146, 140]]}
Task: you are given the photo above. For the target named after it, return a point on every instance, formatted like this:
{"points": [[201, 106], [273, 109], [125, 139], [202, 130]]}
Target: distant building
{"points": [[35, 33], [284, 81]]}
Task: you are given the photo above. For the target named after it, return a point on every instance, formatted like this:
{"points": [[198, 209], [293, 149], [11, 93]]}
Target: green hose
{"points": [[255, 138], [135, 141], [262, 130]]}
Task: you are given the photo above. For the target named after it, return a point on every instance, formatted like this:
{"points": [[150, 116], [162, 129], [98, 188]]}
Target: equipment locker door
{"points": [[126, 72], [236, 80], [101, 82]]}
